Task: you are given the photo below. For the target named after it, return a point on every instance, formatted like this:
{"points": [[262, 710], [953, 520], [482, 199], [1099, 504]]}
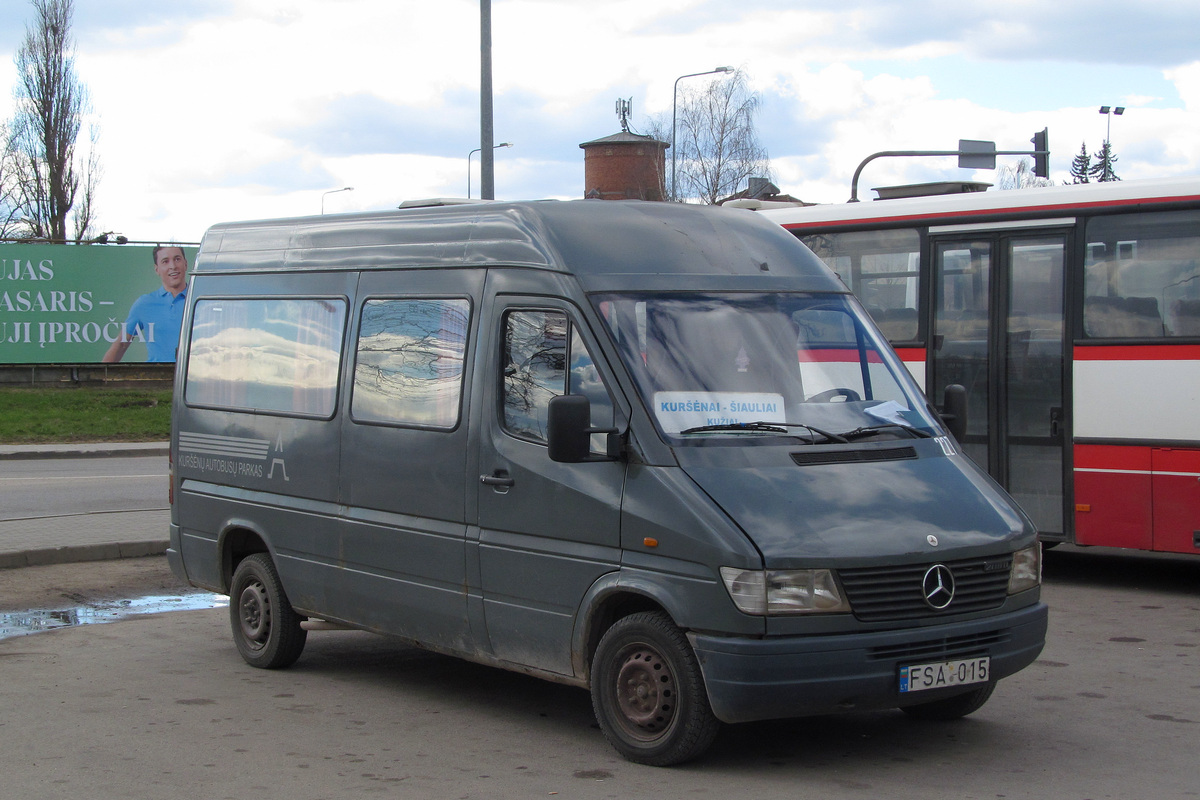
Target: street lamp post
{"points": [[479, 150], [1108, 113], [674, 98], [334, 191]]}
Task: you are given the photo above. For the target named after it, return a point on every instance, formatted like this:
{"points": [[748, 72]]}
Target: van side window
{"points": [[409, 364], [539, 346], [269, 354]]}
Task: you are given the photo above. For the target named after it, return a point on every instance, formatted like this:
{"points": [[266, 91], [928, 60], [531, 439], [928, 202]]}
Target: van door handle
{"points": [[499, 479]]}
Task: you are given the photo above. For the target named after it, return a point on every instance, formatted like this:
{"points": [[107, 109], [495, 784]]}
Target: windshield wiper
{"points": [[871, 430], [767, 427]]}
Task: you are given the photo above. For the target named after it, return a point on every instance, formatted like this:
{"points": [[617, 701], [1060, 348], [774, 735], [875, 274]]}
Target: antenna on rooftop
{"points": [[624, 110]]}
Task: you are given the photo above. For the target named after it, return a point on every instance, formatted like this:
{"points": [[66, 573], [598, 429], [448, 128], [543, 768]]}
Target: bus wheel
{"points": [[952, 707], [266, 628], [648, 693]]}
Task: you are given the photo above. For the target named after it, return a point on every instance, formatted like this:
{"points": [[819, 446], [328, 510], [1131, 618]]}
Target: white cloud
{"points": [[1187, 81]]}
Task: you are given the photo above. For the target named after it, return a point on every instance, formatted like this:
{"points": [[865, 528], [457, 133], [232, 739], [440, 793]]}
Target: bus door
{"points": [[998, 330]]}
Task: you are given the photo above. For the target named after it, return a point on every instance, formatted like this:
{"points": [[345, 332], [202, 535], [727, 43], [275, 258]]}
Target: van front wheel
{"points": [[648, 693], [266, 628]]}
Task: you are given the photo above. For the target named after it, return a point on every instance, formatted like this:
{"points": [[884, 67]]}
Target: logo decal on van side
{"points": [[228, 455]]}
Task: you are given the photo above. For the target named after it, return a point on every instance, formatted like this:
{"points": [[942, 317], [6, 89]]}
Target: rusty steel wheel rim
{"points": [[254, 614], [645, 692]]}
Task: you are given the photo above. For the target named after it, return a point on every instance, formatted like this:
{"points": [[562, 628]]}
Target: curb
{"points": [[81, 553], [85, 450]]}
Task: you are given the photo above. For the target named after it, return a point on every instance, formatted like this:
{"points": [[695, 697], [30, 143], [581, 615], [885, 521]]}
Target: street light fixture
{"points": [[1108, 113], [674, 97], [480, 150], [334, 191]]}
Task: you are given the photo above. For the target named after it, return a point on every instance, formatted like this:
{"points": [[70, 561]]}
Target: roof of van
{"points": [[583, 237]]}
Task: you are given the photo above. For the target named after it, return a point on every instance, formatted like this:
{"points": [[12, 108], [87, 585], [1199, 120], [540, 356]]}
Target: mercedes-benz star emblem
{"points": [[938, 586]]}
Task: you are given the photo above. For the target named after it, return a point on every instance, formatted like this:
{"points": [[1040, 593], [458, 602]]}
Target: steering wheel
{"points": [[828, 396]]}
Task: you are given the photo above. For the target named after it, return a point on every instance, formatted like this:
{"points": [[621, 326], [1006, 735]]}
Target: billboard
{"points": [[69, 303]]}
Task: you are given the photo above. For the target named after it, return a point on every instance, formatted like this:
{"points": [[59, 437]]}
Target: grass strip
{"points": [[84, 414]]}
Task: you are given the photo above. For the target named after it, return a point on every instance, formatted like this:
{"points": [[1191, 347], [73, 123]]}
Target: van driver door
{"points": [[546, 530]]}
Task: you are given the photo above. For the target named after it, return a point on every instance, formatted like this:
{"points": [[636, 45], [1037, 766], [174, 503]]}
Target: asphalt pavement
{"points": [[89, 537]]}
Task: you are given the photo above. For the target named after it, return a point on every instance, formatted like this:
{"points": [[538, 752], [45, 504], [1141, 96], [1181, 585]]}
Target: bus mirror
{"points": [[954, 411]]}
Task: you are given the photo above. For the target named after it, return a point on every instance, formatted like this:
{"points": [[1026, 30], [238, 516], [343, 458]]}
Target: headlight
{"points": [[789, 591], [1026, 569]]}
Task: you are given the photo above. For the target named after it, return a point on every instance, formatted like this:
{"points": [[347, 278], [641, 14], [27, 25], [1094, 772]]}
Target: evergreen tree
{"points": [[1103, 170], [1081, 167]]}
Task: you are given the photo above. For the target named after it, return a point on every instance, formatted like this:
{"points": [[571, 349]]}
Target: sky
{"points": [[216, 110]]}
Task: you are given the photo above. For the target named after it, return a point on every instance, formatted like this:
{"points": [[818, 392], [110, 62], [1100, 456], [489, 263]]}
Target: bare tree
{"points": [[10, 214], [51, 104], [1019, 175], [717, 144]]}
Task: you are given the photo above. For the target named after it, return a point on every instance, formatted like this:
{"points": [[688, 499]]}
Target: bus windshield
{"points": [[805, 366]]}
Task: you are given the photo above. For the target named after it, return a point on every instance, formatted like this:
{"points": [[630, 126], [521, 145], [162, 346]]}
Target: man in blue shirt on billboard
{"points": [[156, 316]]}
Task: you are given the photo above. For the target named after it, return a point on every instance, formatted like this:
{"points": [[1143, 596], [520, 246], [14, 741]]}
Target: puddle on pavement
{"points": [[20, 623]]}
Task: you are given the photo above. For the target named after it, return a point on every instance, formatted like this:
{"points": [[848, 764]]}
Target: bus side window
{"points": [[1142, 275], [882, 269]]}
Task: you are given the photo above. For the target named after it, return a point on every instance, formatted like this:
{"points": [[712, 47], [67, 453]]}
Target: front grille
{"points": [[886, 594], [941, 649]]}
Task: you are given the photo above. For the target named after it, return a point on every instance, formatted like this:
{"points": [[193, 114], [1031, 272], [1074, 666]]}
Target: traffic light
{"points": [[1041, 155]]}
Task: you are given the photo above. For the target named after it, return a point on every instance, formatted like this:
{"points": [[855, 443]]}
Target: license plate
{"points": [[944, 674]]}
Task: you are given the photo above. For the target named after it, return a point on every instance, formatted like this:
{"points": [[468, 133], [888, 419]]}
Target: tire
{"points": [[648, 692], [266, 628], [952, 707]]}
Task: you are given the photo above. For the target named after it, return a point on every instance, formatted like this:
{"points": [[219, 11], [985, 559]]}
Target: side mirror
{"points": [[954, 410], [569, 430]]}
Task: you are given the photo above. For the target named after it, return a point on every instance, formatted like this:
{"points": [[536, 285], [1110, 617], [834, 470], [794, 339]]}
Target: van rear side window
{"points": [[409, 367], [269, 354]]}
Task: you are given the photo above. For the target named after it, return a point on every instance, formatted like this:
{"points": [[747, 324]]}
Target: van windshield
{"points": [[805, 366]]}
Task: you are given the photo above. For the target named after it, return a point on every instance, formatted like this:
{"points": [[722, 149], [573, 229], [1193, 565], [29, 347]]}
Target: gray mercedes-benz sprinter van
{"points": [[655, 450]]}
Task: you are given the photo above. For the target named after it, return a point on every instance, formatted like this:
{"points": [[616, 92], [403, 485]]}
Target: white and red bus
{"points": [[1072, 316]]}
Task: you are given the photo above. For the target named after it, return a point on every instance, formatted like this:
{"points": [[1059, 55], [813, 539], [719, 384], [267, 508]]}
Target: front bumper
{"points": [[798, 676]]}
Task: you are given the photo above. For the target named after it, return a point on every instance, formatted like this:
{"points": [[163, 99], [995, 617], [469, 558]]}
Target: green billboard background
{"points": [[66, 303]]}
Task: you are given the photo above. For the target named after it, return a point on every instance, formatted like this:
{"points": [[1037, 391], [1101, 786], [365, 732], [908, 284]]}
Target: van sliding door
{"points": [[403, 548]]}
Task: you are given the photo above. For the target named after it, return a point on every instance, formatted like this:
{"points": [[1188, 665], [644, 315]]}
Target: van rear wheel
{"points": [[266, 628], [648, 693]]}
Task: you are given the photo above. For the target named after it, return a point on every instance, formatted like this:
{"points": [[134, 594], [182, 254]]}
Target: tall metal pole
{"points": [[1107, 111], [674, 98], [487, 171]]}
